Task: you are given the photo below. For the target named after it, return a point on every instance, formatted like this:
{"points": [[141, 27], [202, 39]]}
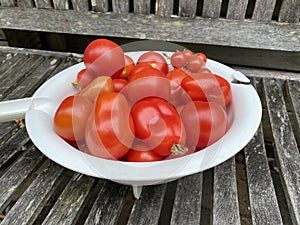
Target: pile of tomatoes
{"points": [[145, 110]]}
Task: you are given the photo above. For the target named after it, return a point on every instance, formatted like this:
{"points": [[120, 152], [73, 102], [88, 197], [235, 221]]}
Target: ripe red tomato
{"points": [[137, 69], [71, 116], [104, 57], [158, 125], [119, 84], [84, 78], [207, 87], [205, 123], [155, 59], [129, 66], [202, 56], [142, 153], [109, 131]]}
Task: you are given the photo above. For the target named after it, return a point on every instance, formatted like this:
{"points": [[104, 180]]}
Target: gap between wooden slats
{"points": [[262, 196], [142, 6], [164, 7], [263, 10], [101, 5], [146, 209], [30, 204], [70, 203], [212, 9], [290, 11], [225, 197], [187, 203], [236, 9], [187, 8], [286, 148], [12, 181]]}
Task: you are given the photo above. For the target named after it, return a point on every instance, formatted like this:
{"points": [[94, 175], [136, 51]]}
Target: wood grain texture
{"points": [[7, 2], [262, 196], [165, 8], [272, 36], [187, 202], [263, 10], [211, 9], [13, 179], [290, 11], [120, 6], [109, 200], [25, 3], [80, 5], [61, 4], [236, 9], [146, 209], [43, 4], [225, 194], [286, 148], [100, 5], [30, 204], [187, 8], [68, 206], [141, 6]]}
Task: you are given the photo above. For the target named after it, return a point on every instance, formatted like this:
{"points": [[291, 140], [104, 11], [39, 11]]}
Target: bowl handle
{"points": [[14, 109]]}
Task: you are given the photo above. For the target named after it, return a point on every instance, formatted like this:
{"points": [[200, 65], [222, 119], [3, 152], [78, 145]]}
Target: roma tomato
{"points": [[142, 153], [129, 66], [205, 123], [155, 59], [146, 83], [109, 131], [103, 57], [99, 85], [158, 125], [71, 116], [119, 84], [207, 87]]}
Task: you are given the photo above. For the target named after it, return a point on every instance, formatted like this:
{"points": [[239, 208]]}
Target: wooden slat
{"points": [[25, 3], [262, 196], [7, 2], [236, 9], [225, 194], [30, 204], [187, 8], [293, 88], [263, 10], [211, 9], [19, 172], [43, 4], [165, 8], [286, 148], [141, 6], [110, 200], [187, 203], [120, 6], [290, 11], [100, 5], [146, 210], [67, 208], [271, 36], [80, 5], [61, 4]]}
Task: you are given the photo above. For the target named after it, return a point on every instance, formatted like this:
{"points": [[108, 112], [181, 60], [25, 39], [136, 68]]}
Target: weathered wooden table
{"points": [[260, 185]]}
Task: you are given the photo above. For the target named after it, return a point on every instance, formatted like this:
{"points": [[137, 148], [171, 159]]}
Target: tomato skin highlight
{"points": [[158, 124], [129, 66], [103, 57], [110, 130], [71, 116], [205, 123]]}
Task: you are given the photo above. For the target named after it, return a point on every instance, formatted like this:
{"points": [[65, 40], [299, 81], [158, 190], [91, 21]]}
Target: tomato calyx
{"points": [[178, 150]]}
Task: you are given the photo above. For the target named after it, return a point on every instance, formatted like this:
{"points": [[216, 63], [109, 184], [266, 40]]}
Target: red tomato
{"points": [[119, 84], [158, 125], [129, 66], [104, 57], [155, 59], [194, 64], [207, 87], [84, 78], [109, 131], [205, 123], [142, 153], [71, 116], [137, 69], [148, 82], [202, 56]]}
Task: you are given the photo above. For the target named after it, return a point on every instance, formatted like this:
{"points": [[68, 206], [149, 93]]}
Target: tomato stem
{"points": [[178, 149], [76, 85]]}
